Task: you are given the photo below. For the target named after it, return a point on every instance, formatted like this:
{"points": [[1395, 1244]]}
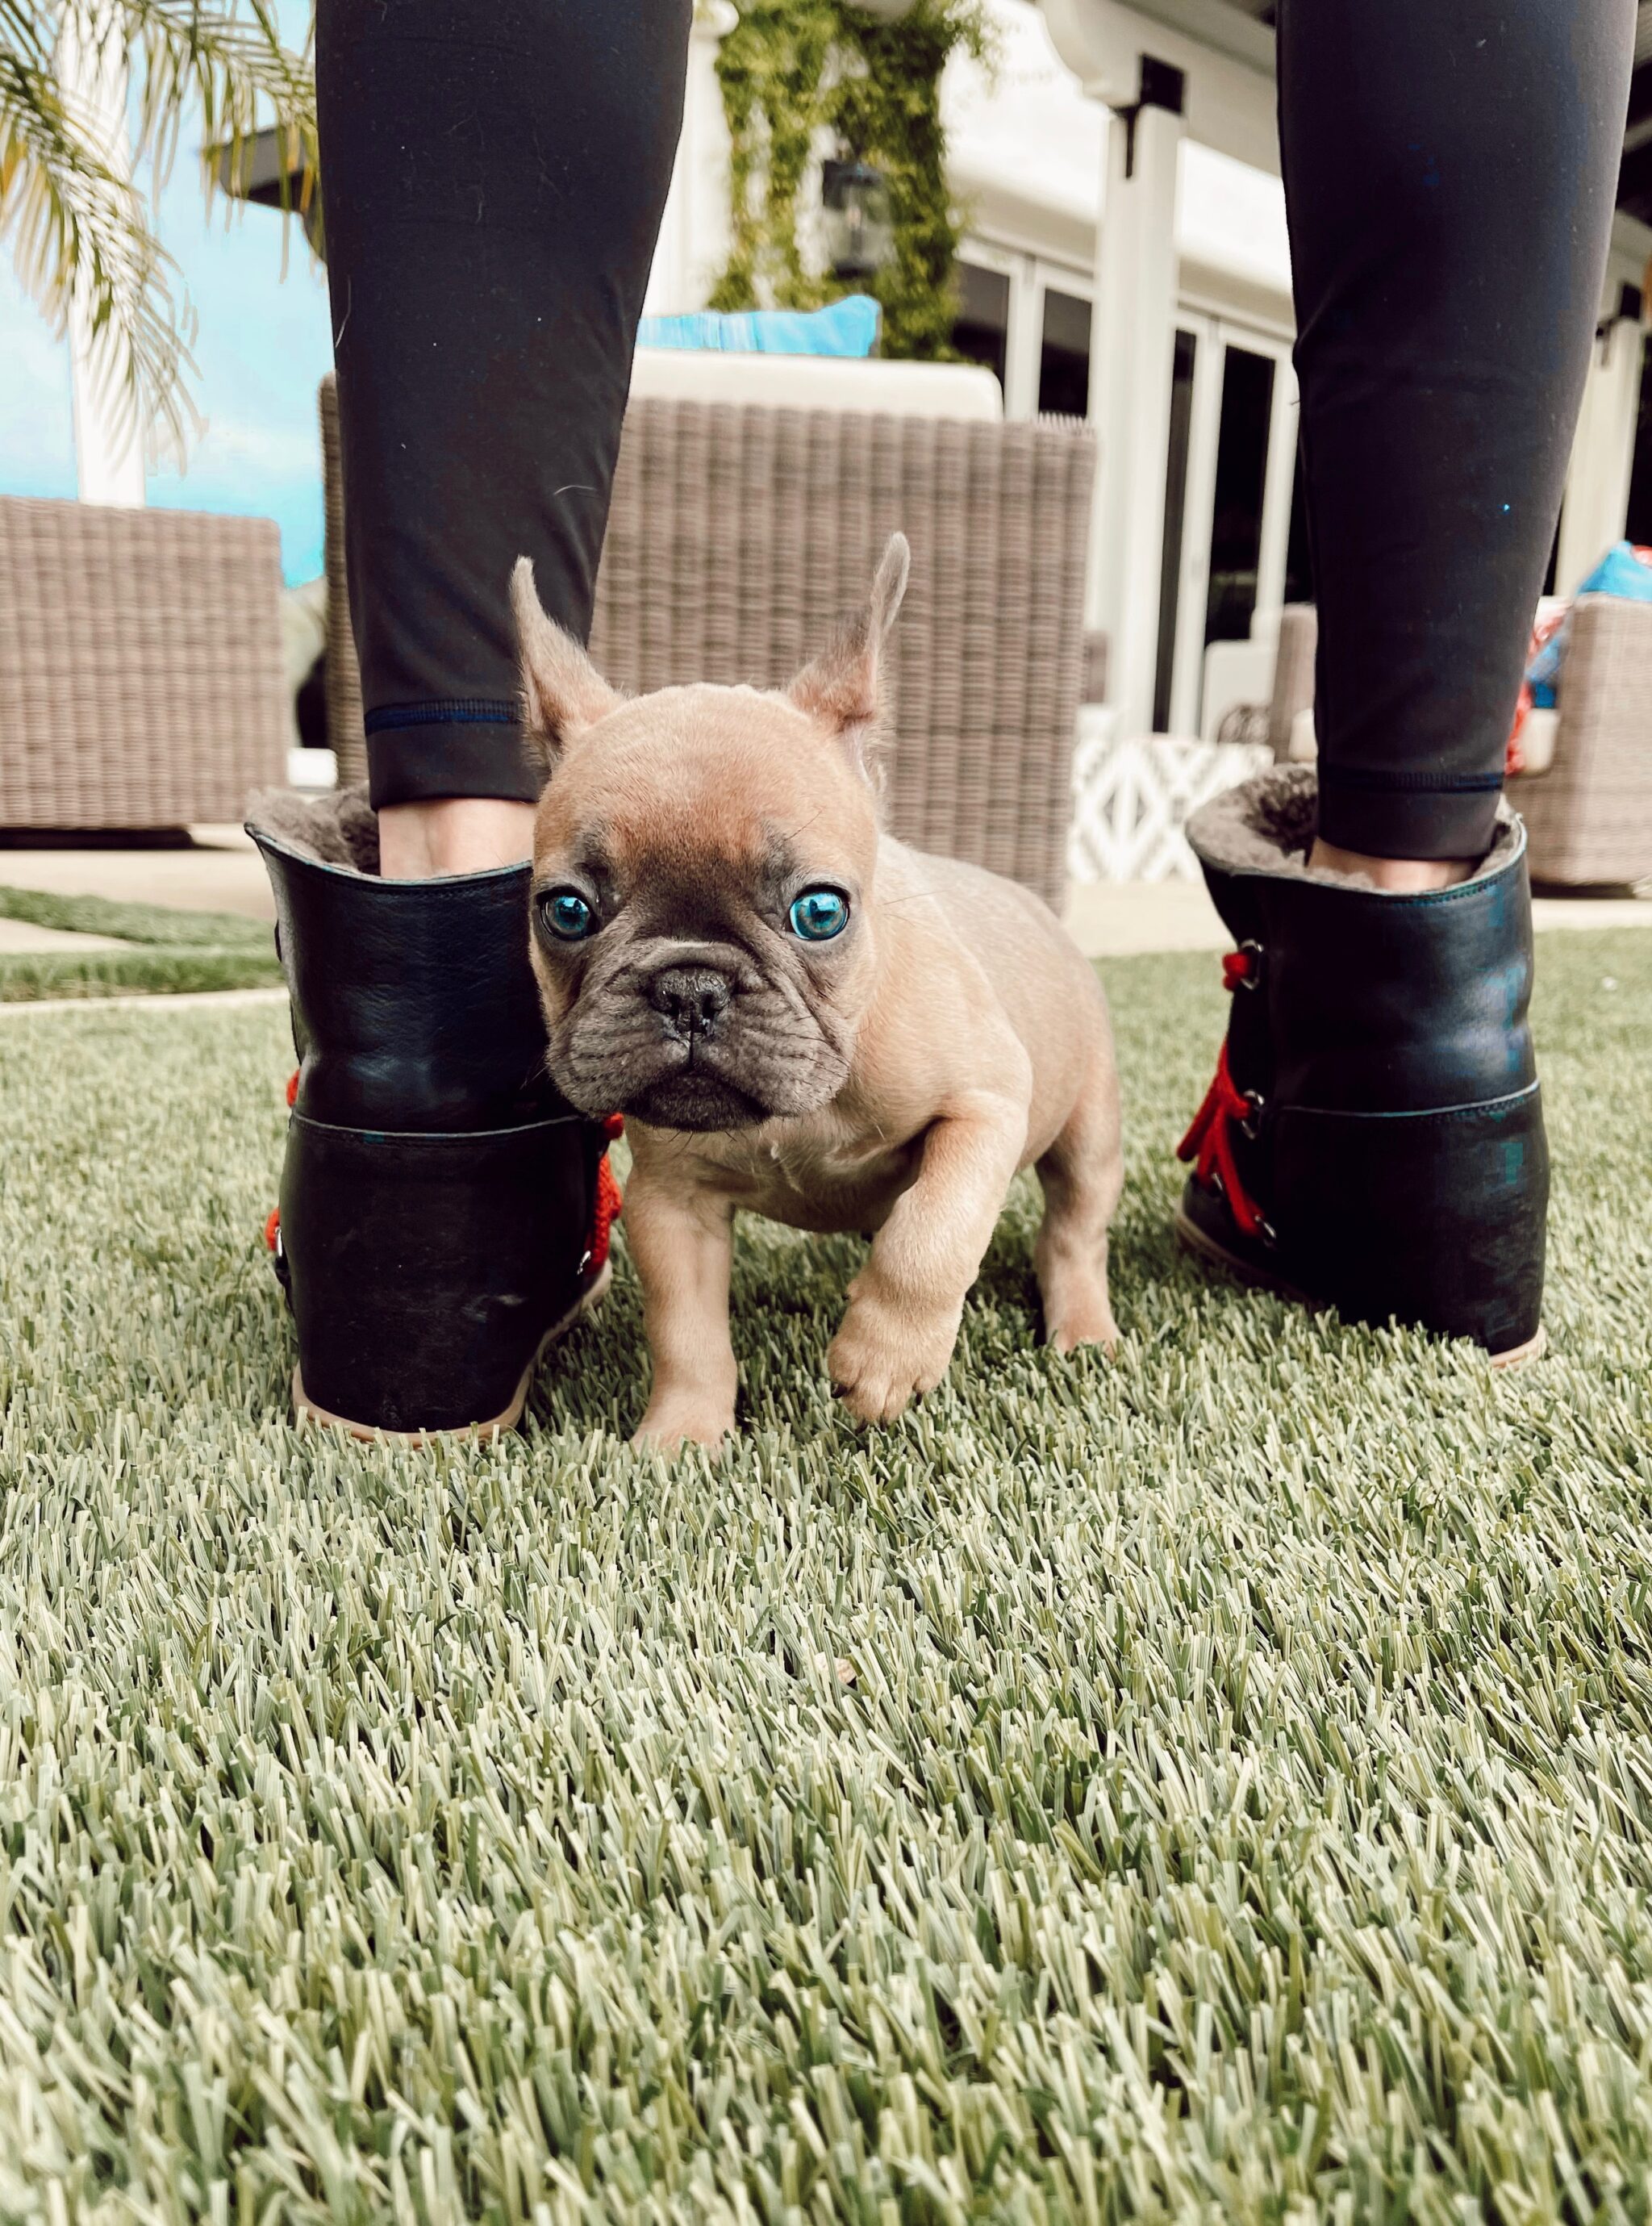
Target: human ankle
{"points": [[1394, 876], [453, 835]]}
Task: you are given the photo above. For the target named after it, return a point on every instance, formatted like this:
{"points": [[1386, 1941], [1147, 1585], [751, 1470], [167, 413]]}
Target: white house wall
{"points": [[1225, 58], [1025, 161], [695, 231], [1024, 157]]}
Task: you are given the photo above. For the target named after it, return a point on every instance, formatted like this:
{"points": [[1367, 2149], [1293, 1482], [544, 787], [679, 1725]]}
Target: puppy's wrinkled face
{"points": [[703, 869]]}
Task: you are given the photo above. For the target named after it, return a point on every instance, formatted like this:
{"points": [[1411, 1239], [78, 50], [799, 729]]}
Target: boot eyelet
{"points": [[1251, 1125], [1267, 1233], [1251, 979]]}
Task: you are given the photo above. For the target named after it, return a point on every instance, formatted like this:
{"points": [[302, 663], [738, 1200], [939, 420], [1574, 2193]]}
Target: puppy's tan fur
{"points": [[891, 1080]]}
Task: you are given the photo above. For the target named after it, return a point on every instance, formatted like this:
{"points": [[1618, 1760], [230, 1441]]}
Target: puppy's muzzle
{"points": [[691, 1001]]}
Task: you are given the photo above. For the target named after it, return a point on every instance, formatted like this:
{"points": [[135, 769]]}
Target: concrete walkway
{"points": [[1116, 919], [223, 873]]}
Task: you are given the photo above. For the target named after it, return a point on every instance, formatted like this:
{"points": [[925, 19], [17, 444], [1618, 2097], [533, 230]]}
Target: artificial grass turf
{"points": [[178, 951], [1242, 1810]]}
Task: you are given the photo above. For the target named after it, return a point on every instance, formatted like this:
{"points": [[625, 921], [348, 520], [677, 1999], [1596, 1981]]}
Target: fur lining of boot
{"points": [[338, 830], [1267, 826]]}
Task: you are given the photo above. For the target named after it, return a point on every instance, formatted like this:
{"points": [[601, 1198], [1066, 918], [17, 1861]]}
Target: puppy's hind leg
{"points": [[1082, 1174]]}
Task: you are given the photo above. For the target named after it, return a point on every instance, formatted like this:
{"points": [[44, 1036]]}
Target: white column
{"points": [[1603, 455], [108, 443], [1132, 353], [1025, 340], [694, 232]]}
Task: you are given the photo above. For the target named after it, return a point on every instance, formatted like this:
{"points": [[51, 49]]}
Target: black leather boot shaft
{"points": [[437, 1192], [414, 1005], [1393, 1132]]}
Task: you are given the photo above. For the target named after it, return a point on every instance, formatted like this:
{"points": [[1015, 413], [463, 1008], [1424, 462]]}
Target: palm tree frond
{"points": [[79, 236], [234, 70], [78, 230]]}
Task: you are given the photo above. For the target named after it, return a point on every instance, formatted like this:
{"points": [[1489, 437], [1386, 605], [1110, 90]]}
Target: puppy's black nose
{"points": [[690, 999]]}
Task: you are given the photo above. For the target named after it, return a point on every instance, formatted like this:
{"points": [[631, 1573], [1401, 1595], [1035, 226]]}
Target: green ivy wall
{"points": [[792, 70]]}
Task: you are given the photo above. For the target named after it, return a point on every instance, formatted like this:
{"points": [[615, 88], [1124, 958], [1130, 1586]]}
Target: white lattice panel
{"points": [[1131, 799]]}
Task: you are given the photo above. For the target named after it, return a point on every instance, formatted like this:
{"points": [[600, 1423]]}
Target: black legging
{"points": [[495, 171], [1449, 175], [494, 174]]}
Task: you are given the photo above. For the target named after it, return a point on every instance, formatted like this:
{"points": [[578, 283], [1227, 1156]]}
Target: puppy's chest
{"points": [[817, 1176]]}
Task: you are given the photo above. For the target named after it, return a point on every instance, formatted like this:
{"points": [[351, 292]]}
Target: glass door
{"points": [[1064, 351], [1227, 480], [1028, 321]]}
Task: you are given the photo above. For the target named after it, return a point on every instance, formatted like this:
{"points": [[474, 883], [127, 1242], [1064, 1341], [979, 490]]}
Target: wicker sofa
{"points": [[140, 665], [739, 534]]}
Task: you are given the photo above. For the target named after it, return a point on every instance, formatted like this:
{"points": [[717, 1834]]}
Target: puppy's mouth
{"points": [[694, 1086], [696, 1047], [695, 1097]]}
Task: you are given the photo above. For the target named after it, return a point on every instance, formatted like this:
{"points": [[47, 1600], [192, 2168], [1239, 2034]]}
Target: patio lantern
{"points": [[859, 236], [266, 168]]}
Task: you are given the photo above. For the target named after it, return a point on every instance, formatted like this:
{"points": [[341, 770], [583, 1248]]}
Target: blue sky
{"points": [[262, 345]]}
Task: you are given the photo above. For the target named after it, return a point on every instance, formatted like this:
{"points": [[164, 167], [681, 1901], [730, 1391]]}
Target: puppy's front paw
{"points": [[883, 1354], [670, 1424]]}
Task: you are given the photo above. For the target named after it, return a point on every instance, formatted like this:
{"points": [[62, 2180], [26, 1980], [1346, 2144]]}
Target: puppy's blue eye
{"points": [[567, 916], [819, 915]]}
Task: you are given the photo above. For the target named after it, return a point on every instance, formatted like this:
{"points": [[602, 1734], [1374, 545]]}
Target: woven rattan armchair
{"points": [[739, 536], [1296, 643], [1589, 813], [140, 665]]}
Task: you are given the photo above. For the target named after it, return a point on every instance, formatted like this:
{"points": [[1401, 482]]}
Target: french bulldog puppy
{"points": [[802, 1017]]}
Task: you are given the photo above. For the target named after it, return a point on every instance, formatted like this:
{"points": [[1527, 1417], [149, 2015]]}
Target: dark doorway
{"points": [[1240, 479], [980, 329], [1064, 358], [1170, 572]]}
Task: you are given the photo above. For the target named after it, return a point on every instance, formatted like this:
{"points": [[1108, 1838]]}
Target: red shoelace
{"points": [[606, 1207], [1210, 1140], [604, 1210], [272, 1227]]}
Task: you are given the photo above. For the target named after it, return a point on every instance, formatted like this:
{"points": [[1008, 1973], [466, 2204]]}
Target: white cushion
{"points": [[818, 382], [1234, 672], [1536, 743]]}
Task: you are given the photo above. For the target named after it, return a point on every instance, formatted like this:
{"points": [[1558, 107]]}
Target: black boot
{"points": [[1374, 1138], [439, 1217]]}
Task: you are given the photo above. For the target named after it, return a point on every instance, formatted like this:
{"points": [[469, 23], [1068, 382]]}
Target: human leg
{"points": [[1373, 1137], [494, 176], [494, 173], [1449, 175]]}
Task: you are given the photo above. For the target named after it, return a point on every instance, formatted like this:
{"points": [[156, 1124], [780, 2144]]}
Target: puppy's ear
{"points": [[563, 692], [841, 687]]}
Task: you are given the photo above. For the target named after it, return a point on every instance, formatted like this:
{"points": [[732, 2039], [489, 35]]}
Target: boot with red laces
{"points": [[1373, 1140]]}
